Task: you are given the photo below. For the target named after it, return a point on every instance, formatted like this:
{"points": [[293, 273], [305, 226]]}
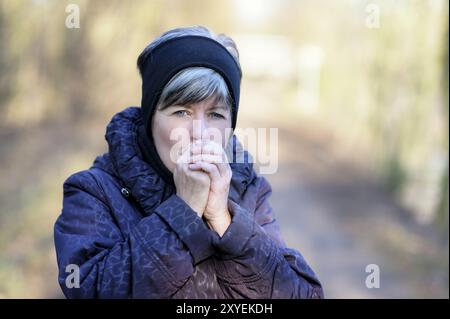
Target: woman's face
{"points": [[177, 125]]}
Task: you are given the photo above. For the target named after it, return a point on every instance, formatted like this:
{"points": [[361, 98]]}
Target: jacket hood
{"points": [[125, 161]]}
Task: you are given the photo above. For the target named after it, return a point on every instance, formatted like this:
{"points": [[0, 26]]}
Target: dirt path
{"points": [[341, 220]]}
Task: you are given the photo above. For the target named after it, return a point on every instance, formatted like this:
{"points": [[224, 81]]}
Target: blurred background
{"points": [[357, 89]]}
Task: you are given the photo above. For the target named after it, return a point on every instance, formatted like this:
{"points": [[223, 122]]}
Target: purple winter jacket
{"points": [[133, 237]]}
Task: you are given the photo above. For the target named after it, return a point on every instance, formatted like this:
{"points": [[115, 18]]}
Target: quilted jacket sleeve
{"points": [[252, 260], [153, 261]]}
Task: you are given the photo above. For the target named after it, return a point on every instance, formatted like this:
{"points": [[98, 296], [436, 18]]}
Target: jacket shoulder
{"points": [[90, 181]]}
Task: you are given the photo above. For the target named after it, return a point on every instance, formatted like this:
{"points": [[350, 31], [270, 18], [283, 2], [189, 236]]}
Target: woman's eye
{"points": [[217, 115], [181, 113]]}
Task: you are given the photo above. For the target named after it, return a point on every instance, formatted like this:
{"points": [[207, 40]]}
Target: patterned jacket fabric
{"points": [[131, 236]]}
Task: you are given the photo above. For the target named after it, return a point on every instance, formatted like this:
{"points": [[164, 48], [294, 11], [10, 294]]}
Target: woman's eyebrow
{"points": [[219, 106], [188, 106]]}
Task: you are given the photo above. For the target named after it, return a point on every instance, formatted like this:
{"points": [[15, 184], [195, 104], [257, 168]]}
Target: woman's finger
{"points": [[222, 163], [185, 156], [212, 147], [207, 158], [196, 148], [224, 169], [209, 168]]}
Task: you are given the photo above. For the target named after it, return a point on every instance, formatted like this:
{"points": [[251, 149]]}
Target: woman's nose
{"points": [[199, 126]]}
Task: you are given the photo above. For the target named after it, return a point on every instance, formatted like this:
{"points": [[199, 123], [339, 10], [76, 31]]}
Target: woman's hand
{"points": [[191, 185], [211, 158]]}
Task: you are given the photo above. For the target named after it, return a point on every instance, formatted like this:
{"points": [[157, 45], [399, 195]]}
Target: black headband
{"points": [[166, 60], [173, 55]]}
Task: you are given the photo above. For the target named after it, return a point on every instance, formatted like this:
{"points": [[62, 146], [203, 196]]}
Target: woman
{"points": [[155, 218]]}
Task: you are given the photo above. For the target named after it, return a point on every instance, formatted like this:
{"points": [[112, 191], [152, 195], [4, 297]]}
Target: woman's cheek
{"points": [[169, 149], [161, 135]]}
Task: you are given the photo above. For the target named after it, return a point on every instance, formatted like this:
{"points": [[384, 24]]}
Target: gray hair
{"points": [[194, 84]]}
